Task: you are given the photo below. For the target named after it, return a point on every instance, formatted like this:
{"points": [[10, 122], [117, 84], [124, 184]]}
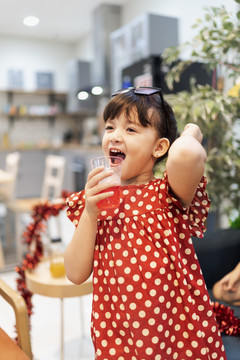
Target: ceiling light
{"points": [[31, 21], [82, 95], [97, 90]]}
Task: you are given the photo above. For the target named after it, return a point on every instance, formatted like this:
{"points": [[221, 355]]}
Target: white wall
{"points": [[187, 11], [31, 56], [84, 48]]}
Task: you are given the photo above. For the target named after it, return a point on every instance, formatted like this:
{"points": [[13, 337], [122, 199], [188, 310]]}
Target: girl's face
{"points": [[137, 145]]}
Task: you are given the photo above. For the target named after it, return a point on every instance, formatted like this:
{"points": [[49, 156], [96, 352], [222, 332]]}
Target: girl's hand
{"points": [[93, 189], [193, 130]]}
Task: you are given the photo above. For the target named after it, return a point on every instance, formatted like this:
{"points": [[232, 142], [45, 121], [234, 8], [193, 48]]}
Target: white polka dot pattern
{"points": [[149, 297]]}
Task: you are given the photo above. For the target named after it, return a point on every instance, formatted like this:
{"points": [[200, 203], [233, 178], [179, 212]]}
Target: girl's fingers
{"points": [[95, 190], [100, 196], [194, 130], [95, 177], [92, 201], [94, 172]]}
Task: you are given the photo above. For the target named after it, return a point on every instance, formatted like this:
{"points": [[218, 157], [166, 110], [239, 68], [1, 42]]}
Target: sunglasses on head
{"points": [[145, 91]]}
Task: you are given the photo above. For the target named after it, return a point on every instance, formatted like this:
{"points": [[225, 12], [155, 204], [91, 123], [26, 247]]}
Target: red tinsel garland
{"points": [[32, 237], [228, 323]]}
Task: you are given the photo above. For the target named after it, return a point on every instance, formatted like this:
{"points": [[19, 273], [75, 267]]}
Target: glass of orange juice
{"points": [[113, 163], [57, 268]]}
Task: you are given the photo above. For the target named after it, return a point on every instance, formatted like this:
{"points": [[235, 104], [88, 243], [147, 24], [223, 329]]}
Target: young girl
{"points": [[149, 296]]}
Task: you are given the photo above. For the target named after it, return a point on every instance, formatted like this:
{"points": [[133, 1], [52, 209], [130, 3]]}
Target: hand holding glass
{"points": [[114, 164]]}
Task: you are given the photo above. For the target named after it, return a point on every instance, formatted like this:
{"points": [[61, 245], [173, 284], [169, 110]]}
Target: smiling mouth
{"points": [[114, 153]]}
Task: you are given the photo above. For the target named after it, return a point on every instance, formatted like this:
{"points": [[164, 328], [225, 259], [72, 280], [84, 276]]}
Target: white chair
{"points": [[53, 177], [51, 189], [7, 189], [7, 192], [2, 260], [12, 166]]}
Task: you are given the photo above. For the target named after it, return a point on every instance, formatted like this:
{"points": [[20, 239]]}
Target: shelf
{"points": [[55, 98], [33, 116], [34, 92], [51, 107]]}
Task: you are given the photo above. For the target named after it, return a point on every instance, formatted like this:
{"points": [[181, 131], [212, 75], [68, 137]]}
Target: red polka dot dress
{"points": [[149, 296]]}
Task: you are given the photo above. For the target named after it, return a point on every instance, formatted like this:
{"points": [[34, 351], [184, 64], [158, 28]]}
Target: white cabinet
{"points": [[147, 35]]}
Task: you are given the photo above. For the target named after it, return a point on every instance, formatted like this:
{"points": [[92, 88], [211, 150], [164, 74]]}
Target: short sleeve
{"points": [[196, 215], [76, 204], [199, 209]]}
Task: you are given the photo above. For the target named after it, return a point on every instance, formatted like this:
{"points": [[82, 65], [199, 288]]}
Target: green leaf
{"points": [[194, 53], [217, 44], [228, 26], [210, 106], [235, 224]]}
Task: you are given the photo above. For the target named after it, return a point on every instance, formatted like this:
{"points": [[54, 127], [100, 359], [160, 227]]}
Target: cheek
{"points": [[104, 141], [105, 145]]}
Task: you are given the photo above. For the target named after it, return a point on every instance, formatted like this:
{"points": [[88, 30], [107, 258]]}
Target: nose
{"points": [[116, 136]]}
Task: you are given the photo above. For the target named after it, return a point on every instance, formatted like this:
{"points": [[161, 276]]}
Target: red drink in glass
{"points": [[112, 163], [111, 201]]}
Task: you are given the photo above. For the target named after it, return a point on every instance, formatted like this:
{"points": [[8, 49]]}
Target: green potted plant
{"points": [[217, 45]]}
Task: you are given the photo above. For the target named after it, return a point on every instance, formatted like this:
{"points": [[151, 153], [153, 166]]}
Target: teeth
{"points": [[117, 153]]}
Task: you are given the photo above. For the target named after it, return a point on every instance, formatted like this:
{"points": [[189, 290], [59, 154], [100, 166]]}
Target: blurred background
{"points": [[78, 46]]}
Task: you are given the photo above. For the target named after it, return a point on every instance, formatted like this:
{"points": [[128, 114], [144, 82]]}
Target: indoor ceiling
{"points": [[65, 20]]}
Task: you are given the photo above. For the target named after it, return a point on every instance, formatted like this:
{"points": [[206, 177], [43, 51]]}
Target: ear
{"points": [[162, 146]]}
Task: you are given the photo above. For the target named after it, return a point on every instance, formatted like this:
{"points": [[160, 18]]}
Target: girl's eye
{"points": [[131, 130], [108, 127]]}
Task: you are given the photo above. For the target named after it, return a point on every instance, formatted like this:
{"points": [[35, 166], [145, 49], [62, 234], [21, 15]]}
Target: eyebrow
{"points": [[128, 121], [134, 121]]}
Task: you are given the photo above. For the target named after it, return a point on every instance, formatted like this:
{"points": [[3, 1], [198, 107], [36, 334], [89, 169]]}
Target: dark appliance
{"points": [[151, 72]]}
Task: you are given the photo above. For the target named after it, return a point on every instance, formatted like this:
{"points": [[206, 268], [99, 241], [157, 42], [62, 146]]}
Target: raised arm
{"points": [[79, 254], [185, 164]]}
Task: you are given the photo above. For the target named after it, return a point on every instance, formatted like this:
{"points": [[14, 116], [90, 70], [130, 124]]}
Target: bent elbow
{"points": [[76, 275], [76, 278], [192, 157]]}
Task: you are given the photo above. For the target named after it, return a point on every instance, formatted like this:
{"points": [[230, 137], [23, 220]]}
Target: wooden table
{"points": [[41, 282]]}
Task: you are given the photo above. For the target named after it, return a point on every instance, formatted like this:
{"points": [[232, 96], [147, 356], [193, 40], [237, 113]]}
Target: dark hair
{"points": [[161, 118]]}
